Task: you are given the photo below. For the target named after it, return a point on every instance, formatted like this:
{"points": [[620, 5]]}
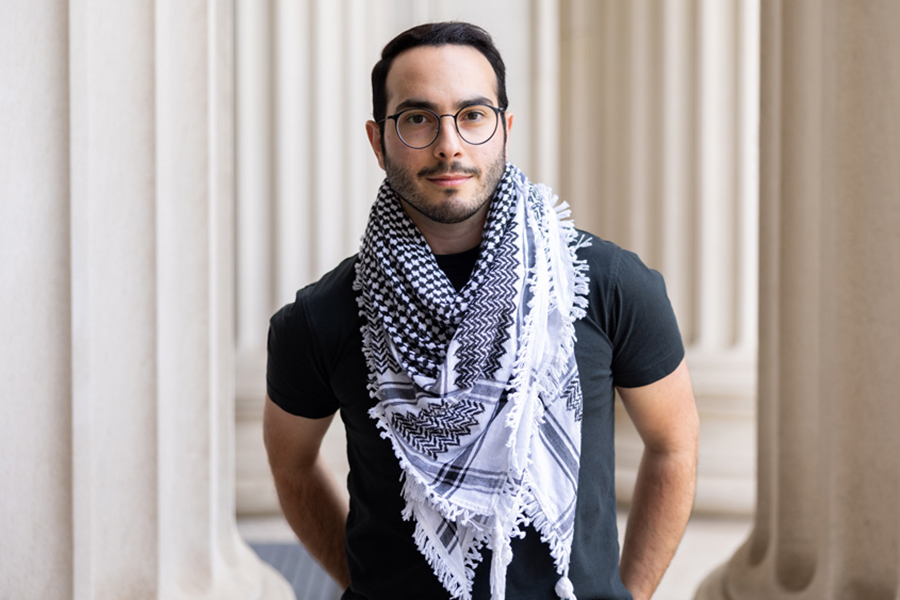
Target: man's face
{"points": [[451, 180]]}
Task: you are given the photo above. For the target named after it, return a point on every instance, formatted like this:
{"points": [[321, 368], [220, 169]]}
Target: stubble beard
{"points": [[403, 181]]}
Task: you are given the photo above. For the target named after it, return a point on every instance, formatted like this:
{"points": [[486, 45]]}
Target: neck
{"points": [[449, 238]]}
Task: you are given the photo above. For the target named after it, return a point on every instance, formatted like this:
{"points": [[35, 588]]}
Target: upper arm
{"points": [[292, 442], [664, 412], [640, 324]]}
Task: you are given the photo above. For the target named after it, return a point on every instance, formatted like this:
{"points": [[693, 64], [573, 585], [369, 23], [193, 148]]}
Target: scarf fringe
{"points": [[415, 489], [574, 242], [416, 493], [560, 548], [456, 587], [528, 510]]}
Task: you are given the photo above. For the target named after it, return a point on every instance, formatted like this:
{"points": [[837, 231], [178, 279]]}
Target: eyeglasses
{"points": [[419, 127]]}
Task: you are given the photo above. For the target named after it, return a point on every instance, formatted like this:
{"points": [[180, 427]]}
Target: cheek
{"points": [[495, 149], [402, 156]]}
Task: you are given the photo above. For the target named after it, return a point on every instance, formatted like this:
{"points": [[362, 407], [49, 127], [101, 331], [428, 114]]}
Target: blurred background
{"points": [[172, 172]]}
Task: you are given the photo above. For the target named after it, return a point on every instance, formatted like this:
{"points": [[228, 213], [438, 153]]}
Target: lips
{"points": [[450, 179]]}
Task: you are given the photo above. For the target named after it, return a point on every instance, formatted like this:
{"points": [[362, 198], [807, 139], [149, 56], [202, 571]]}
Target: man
{"points": [[473, 347]]}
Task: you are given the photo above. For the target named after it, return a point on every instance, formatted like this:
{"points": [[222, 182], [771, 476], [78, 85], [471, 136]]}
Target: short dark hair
{"points": [[436, 34]]}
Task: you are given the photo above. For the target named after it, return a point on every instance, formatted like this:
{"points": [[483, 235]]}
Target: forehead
{"points": [[443, 75]]}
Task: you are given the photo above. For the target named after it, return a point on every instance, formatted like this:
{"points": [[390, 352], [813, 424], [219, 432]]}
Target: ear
{"points": [[374, 133], [509, 123]]}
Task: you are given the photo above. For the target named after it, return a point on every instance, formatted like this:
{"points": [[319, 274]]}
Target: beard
{"points": [[452, 208]]}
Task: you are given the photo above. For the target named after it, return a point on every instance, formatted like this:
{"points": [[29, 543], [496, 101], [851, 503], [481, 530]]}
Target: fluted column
{"points": [[828, 519], [116, 187], [659, 154], [35, 312], [305, 170]]}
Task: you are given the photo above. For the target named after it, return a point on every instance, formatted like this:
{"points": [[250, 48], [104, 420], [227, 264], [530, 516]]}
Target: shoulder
{"points": [[617, 273], [602, 257], [334, 288], [327, 296], [306, 336], [322, 314], [629, 303]]}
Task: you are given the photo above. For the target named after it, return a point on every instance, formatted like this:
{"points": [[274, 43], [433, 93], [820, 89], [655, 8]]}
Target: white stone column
{"points": [[659, 154], [35, 305], [116, 447], [828, 519], [305, 170]]}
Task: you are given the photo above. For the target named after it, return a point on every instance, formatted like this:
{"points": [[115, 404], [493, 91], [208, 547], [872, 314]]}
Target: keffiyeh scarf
{"points": [[478, 391]]}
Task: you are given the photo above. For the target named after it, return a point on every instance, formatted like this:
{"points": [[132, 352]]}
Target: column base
{"points": [[244, 576], [274, 586], [713, 587]]}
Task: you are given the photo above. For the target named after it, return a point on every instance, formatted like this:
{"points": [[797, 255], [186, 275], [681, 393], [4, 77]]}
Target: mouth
{"points": [[449, 175], [449, 179]]}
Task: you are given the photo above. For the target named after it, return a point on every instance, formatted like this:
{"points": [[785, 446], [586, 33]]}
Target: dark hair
{"points": [[436, 34]]}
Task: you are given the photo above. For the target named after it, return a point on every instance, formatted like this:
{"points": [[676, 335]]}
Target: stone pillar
{"points": [[306, 174], [116, 191], [35, 305], [828, 518], [660, 155]]}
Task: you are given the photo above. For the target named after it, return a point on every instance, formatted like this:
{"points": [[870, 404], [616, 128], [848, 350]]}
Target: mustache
{"points": [[443, 168]]}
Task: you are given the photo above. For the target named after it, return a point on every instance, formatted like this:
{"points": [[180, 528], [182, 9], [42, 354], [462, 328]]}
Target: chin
{"points": [[447, 211]]}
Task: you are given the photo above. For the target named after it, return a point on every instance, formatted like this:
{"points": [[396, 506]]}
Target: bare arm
{"points": [[314, 506], [665, 416]]}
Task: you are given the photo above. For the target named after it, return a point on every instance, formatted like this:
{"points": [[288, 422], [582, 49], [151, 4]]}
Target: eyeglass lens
{"points": [[418, 127]]}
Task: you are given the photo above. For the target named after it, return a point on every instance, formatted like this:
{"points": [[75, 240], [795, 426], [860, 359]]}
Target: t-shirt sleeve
{"points": [[647, 344], [296, 379]]}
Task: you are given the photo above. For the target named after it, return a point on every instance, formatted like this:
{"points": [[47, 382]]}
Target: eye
{"points": [[417, 118], [473, 114]]}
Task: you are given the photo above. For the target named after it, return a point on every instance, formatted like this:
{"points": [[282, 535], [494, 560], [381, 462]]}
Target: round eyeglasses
{"points": [[419, 127]]}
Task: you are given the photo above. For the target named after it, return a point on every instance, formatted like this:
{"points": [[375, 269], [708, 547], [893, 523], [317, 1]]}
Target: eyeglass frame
{"points": [[497, 112]]}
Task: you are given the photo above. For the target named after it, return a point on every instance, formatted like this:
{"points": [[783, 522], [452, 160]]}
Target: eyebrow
{"points": [[420, 103]]}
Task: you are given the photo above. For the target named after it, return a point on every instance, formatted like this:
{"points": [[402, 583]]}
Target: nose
{"points": [[448, 143]]}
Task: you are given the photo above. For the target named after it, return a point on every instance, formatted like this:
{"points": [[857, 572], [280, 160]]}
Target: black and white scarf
{"points": [[478, 391]]}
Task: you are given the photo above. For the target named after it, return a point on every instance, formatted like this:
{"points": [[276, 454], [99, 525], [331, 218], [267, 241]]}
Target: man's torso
{"points": [[316, 367]]}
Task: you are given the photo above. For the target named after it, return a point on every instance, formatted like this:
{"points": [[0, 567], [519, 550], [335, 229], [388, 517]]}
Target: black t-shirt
{"points": [[628, 338]]}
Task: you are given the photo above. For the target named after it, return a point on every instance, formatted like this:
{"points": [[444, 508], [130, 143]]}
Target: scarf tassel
{"points": [[564, 589]]}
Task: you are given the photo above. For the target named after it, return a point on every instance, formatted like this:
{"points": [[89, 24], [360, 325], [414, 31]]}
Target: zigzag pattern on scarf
{"points": [[490, 294], [486, 327], [437, 428], [574, 399], [381, 359]]}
